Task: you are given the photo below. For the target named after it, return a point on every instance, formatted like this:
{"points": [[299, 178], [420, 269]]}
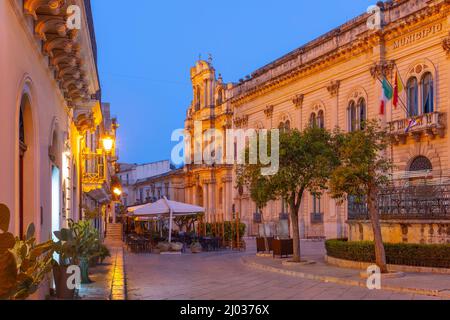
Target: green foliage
{"points": [[23, 263], [229, 227], [80, 241], [421, 255], [363, 163]]}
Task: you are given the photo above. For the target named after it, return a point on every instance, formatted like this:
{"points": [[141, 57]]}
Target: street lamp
{"points": [[108, 144], [117, 191]]}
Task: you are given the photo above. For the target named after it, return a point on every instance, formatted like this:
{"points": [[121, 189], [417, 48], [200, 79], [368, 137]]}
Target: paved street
{"points": [[223, 276]]}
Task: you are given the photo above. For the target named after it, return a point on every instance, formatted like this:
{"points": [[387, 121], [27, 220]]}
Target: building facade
{"points": [[334, 81], [133, 178], [54, 166]]}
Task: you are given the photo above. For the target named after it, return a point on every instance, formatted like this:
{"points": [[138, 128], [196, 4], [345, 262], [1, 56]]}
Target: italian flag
{"points": [[398, 88], [386, 95]]}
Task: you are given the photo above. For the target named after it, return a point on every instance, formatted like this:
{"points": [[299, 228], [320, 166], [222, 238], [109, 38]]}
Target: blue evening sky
{"points": [[147, 47]]}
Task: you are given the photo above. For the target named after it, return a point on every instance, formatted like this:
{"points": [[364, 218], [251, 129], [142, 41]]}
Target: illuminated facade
{"points": [[52, 120], [334, 81]]}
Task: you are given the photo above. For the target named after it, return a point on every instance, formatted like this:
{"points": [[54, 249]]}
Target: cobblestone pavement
{"points": [[108, 279], [217, 276]]}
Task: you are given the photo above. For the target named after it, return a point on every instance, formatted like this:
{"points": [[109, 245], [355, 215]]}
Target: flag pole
{"points": [[401, 101]]}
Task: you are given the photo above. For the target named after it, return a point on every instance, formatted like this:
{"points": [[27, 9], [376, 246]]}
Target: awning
{"points": [[166, 207]]}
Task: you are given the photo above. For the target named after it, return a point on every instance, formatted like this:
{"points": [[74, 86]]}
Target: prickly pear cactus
{"points": [[23, 263], [8, 266]]}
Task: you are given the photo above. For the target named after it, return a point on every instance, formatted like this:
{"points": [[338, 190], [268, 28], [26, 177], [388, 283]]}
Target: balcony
{"points": [[430, 124], [418, 202], [94, 174]]}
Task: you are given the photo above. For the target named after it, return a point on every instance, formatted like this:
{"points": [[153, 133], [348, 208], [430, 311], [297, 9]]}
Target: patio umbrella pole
{"points": [[170, 225]]}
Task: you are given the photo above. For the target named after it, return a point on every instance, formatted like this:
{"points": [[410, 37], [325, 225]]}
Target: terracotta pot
{"points": [[62, 291]]}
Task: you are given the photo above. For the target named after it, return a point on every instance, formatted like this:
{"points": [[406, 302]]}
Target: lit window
{"points": [[321, 119], [413, 97], [427, 93]]}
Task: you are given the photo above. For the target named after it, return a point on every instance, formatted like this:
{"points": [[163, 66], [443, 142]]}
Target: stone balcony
{"points": [[430, 124]]}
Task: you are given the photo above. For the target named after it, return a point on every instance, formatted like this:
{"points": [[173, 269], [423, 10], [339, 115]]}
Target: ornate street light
{"points": [[108, 144], [117, 191]]}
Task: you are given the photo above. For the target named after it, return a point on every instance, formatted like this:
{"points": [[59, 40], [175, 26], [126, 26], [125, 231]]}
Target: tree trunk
{"points": [[266, 241], [295, 235], [380, 254]]}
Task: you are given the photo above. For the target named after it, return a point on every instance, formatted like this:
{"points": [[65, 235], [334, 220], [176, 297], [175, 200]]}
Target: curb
{"points": [[118, 283], [354, 283]]}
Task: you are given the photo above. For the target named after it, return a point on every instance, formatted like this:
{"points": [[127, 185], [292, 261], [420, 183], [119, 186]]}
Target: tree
{"points": [[362, 171], [259, 187], [307, 160]]}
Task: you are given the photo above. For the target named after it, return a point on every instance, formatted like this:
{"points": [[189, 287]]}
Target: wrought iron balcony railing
{"points": [[420, 202], [93, 168], [431, 124]]}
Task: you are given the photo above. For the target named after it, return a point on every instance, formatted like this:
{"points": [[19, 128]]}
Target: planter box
{"points": [[260, 245], [283, 248]]}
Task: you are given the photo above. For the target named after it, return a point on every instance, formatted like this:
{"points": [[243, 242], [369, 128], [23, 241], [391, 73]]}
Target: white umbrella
{"points": [[164, 206]]}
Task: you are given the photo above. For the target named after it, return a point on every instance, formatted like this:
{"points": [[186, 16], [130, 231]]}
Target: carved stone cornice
{"points": [[269, 111], [298, 101], [333, 87], [382, 69]]}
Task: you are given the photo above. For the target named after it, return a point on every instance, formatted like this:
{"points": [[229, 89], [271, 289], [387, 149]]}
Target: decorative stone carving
{"points": [[50, 23], [298, 100], [382, 69], [446, 45], [333, 87], [31, 6], [58, 43], [269, 111], [241, 121], [84, 122]]}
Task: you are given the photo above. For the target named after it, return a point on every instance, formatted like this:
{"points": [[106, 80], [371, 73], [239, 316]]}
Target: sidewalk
{"points": [[435, 285], [109, 282]]}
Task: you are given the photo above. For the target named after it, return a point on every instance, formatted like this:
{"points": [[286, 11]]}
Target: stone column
{"points": [[212, 199], [333, 89], [205, 201]]}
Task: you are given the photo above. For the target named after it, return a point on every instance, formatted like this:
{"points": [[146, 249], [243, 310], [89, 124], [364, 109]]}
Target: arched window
{"points": [[287, 125], [421, 163], [313, 120], [197, 98], [427, 93], [362, 113], [220, 97], [321, 119], [352, 120], [412, 97]]}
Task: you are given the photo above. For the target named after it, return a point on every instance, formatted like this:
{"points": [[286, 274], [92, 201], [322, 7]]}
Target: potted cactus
{"points": [[66, 249], [23, 263]]}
